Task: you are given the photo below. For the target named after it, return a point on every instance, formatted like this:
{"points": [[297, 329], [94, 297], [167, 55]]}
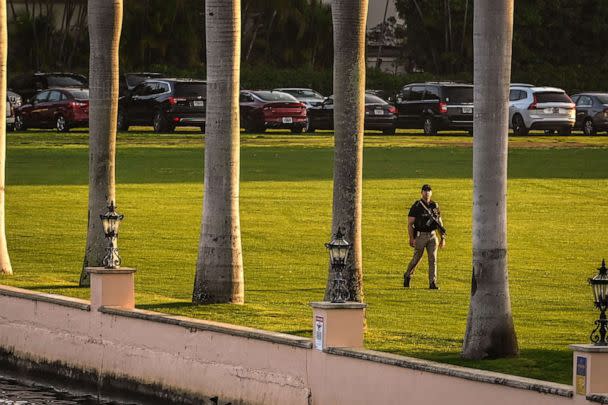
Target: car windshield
{"points": [[66, 81], [371, 99], [274, 96], [603, 98], [308, 93], [80, 94], [458, 94], [190, 89], [552, 97]]}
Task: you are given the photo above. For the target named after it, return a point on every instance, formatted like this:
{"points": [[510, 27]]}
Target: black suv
{"points": [[164, 104], [27, 85], [435, 106]]}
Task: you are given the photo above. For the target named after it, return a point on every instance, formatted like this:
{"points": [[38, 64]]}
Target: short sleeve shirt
{"points": [[423, 221]]}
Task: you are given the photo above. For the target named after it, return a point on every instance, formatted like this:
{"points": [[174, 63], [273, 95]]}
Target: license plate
{"points": [[379, 112], [467, 110], [287, 120], [198, 103]]}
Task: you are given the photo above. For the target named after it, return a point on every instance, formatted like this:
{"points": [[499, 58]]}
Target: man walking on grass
{"points": [[424, 224]]}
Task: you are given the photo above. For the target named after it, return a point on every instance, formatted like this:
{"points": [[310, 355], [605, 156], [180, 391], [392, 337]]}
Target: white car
{"points": [[544, 108], [13, 101]]}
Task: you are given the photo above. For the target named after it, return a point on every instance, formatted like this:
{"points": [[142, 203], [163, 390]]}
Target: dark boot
{"points": [[433, 286], [406, 281]]}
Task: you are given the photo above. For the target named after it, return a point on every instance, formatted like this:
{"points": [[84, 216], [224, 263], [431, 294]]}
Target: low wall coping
{"points": [[589, 348], [490, 377], [600, 398], [104, 270], [210, 326], [337, 305], [45, 297]]}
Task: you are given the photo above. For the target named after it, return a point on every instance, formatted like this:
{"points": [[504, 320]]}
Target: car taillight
{"points": [[75, 104], [267, 108], [393, 110], [175, 100], [443, 107], [533, 105]]}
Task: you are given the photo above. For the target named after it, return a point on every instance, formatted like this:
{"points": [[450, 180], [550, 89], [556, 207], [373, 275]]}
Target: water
{"points": [[17, 392], [20, 392]]}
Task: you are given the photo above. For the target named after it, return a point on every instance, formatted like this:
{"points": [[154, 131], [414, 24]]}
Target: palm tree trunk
{"points": [[349, 19], [490, 332], [105, 23], [219, 269], [5, 261]]}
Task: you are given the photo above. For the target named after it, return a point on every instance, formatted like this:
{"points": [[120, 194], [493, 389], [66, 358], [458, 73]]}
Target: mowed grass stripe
{"points": [[556, 209]]}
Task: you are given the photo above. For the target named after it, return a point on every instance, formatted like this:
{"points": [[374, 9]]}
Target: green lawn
{"points": [[286, 183]]}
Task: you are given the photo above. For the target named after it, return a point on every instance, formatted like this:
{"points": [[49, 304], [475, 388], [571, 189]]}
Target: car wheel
{"points": [[566, 131], [519, 126], [588, 127], [121, 121], [160, 123], [389, 131], [429, 127], [19, 124], [61, 124], [310, 128], [203, 128]]}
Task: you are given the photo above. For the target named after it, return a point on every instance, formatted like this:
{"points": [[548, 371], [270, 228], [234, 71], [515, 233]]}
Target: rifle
{"points": [[440, 227]]}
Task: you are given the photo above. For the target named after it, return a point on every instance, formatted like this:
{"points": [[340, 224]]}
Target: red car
{"points": [[61, 109], [271, 109]]}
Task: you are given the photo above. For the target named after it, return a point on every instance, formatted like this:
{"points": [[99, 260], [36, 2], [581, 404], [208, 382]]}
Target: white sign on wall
{"points": [[319, 323]]}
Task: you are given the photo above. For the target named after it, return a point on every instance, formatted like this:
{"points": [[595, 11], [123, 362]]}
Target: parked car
{"points": [[13, 101], [383, 94], [308, 97], [61, 109], [379, 115], [547, 108], [164, 104], [27, 85], [128, 81], [262, 109], [435, 106], [591, 112]]}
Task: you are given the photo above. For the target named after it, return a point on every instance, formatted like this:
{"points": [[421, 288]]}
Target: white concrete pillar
{"points": [[112, 287], [590, 369], [338, 325]]}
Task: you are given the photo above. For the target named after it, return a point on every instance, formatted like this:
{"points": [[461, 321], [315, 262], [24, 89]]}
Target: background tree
{"points": [[349, 18], [5, 261], [490, 332], [219, 269], [105, 21]]}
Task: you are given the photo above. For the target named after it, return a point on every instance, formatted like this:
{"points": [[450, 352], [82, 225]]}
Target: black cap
{"points": [[426, 187]]}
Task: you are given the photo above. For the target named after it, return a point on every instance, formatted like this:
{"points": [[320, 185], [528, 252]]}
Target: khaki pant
{"points": [[428, 241]]}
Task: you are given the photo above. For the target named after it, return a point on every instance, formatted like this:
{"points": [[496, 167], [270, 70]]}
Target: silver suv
{"points": [[547, 108]]}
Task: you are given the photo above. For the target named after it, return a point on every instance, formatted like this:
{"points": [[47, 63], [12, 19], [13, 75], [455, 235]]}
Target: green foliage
{"points": [[286, 186]]}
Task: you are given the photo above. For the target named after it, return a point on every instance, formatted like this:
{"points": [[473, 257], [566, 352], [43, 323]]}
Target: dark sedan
{"points": [[379, 115], [591, 112], [264, 109], [28, 85], [61, 109]]}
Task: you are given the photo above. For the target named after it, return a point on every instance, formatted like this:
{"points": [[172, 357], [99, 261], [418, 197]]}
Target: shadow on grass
{"points": [[38, 287], [541, 364], [142, 165], [167, 305]]}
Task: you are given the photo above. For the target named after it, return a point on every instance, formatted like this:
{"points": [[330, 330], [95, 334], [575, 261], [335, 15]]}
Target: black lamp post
{"points": [[111, 221], [338, 253], [600, 295]]}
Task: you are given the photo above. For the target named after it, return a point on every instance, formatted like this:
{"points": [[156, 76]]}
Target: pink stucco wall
{"points": [[243, 365]]}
